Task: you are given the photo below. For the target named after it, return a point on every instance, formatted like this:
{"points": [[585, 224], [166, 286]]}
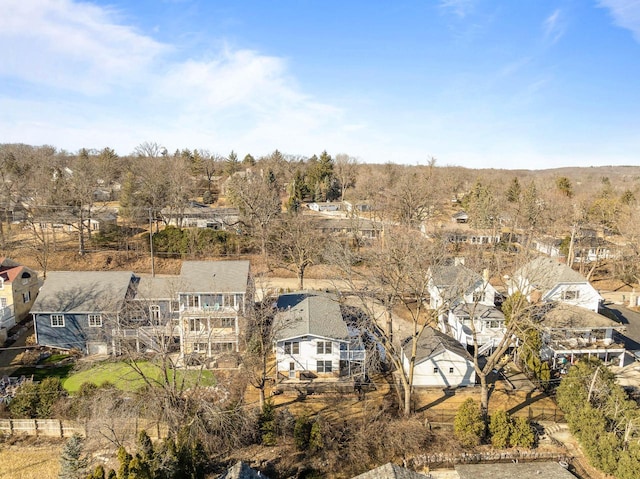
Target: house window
{"points": [[1, 283], [570, 295], [493, 324], [223, 347], [200, 347], [324, 347], [291, 347], [154, 314], [57, 320], [195, 324], [26, 297], [228, 322], [435, 370], [175, 305], [323, 366], [191, 301], [450, 370], [95, 320], [3, 302], [478, 296]]}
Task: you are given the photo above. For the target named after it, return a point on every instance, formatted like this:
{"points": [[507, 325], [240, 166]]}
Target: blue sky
{"points": [[504, 84]]}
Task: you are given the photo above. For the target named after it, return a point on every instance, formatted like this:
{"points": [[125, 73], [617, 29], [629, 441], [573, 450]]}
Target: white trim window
{"points": [[95, 320], [57, 320], [26, 297], [323, 347], [291, 347], [323, 366], [154, 314]]}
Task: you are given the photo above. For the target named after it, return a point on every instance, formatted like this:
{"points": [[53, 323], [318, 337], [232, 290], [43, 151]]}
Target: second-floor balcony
{"points": [[353, 355]]}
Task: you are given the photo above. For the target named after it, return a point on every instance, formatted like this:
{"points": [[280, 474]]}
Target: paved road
{"points": [[631, 320]]}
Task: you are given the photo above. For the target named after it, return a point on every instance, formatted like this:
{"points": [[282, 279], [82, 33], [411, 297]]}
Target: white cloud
{"points": [[625, 13], [460, 8], [86, 79], [74, 46], [554, 26]]}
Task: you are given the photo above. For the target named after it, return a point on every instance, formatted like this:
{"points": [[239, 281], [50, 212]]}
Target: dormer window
{"points": [[570, 295]]}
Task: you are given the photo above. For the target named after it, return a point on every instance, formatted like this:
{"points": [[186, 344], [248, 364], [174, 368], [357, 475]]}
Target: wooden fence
{"points": [[447, 416], [63, 428]]}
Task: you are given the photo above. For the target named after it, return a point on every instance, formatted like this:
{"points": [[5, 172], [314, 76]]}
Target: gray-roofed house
{"points": [[570, 333], [79, 309], [521, 470], [198, 311], [440, 361], [313, 340], [546, 280], [390, 471]]}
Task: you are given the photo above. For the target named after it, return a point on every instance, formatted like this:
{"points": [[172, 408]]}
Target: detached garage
{"points": [[441, 361]]}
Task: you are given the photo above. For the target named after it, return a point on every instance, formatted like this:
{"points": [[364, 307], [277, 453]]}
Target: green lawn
{"points": [[124, 377]]}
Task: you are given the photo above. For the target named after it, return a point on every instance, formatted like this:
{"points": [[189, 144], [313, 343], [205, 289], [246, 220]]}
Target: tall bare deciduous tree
{"points": [[259, 202], [394, 278]]}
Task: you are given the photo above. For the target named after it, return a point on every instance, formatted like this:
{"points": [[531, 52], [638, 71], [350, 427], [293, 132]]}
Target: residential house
{"points": [[589, 249], [549, 246], [324, 206], [18, 290], [547, 280], [355, 227], [570, 333], [465, 302], [440, 361], [358, 206], [198, 312], [79, 309], [199, 215], [313, 340], [460, 217], [390, 471]]}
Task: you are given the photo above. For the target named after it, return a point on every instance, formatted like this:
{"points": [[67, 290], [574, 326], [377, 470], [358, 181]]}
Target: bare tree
{"points": [[394, 277], [150, 149], [298, 244], [345, 170], [259, 202]]}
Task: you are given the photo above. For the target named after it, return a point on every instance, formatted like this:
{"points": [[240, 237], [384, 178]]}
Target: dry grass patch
{"points": [[30, 462]]}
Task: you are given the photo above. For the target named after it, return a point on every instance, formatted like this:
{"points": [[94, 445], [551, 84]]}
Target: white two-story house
{"points": [[465, 304], [546, 280], [312, 339]]}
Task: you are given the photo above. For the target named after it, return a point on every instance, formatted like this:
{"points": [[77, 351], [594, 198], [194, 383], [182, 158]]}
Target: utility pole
{"points": [[153, 269]]}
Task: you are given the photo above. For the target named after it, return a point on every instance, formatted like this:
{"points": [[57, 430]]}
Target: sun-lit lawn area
{"points": [[125, 377], [34, 462]]}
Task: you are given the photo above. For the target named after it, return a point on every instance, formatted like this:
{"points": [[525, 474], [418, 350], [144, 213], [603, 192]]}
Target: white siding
{"points": [[308, 356], [425, 375]]}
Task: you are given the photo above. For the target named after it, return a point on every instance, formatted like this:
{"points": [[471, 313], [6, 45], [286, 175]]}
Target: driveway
{"points": [[8, 355], [630, 319]]}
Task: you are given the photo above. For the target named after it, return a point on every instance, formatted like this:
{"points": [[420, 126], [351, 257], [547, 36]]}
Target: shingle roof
{"points": [[157, 287], [544, 273], [522, 470], [240, 470], [309, 313], [390, 471], [432, 342], [82, 291], [567, 316], [214, 276]]}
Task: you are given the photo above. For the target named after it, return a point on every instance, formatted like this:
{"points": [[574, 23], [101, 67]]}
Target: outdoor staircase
{"points": [[486, 347]]}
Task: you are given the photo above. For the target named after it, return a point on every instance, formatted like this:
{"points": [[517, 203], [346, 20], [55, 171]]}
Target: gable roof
{"points": [[157, 287], [454, 280], [432, 342], [544, 273], [390, 471], [309, 313], [82, 292], [214, 276]]}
